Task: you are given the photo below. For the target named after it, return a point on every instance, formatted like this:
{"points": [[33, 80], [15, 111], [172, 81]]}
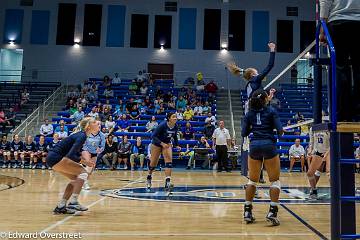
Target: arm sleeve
{"points": [[325, 6], [76, 148], [268, 68], [245, 130]]}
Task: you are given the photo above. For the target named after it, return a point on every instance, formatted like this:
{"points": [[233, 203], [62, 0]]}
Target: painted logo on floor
{"points": [[217, 194]]}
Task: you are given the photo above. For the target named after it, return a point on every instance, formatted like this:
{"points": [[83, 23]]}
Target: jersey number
{"points": [[258, 119]]}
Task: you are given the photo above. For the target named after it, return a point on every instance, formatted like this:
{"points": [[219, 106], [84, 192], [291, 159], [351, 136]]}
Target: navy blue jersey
{"points": [[201, 144], [5, 146], [30, 147], [71, 146], [262, 124], [17, 146], [41, 147], [255, 82], [52, 144], [163, 133]]}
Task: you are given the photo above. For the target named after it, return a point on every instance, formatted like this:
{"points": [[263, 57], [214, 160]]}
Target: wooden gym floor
{"points": [[205, 205]]}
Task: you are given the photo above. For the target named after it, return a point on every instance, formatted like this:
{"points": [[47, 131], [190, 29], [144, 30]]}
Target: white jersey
{"points": [[320, 141]]}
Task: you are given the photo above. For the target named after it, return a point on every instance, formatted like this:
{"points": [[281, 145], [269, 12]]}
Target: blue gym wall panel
{"points": [[260, 31], [187, 28], [40, 27], [13, 25], [116, 26]]}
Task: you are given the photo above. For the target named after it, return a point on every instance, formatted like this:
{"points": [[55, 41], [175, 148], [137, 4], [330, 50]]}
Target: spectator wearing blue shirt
{"points": [[78, 115], [62, 123], [181, 103], [123, 124], [261, 120]]}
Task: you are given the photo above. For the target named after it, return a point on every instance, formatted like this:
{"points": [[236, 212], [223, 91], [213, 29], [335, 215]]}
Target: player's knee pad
{"points": [[276, 184], [83, 176], [168, 165], [251, 183], [317, 173]]}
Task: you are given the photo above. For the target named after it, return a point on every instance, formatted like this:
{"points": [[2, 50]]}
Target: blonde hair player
{"points": [[319, 148], [65, 159]]}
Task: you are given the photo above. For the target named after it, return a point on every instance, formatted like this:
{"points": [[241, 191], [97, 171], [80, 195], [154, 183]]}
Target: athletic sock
{"points": [[74, 198], [274, 204], [247, 203], [62, 203]]}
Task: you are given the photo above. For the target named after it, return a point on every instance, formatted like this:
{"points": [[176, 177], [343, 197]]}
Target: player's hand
{"points": [[272, 46], [98, 150], [88, 163], [322, 37]]}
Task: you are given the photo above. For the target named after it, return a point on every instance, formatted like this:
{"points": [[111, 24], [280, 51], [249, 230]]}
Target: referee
{"points": [[221, 142]]}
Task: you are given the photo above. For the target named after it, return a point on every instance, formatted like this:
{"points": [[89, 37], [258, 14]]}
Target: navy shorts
{"points": [[53, 158], [262, 150]]}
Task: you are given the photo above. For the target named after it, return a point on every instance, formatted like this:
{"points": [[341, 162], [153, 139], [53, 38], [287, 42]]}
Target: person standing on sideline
{"points": [[343, 17], [221, 143]]}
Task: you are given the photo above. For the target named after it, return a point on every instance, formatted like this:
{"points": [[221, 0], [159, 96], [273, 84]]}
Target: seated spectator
{"points": [[78, 115], [54, 141], [152, 124], [119, 108], [211, 87], [93, 113], [179, 114], [209, 130], [188, 114], [357, 156], [134, 113], [200, 82], [108, 92], [198, 110], [106, 81], [129, 105], [151, 79], [141, 77], [143, 108], [2, 120], [203, 143], [160, 110], [5, 150], [61, 123], [206, 108], [143, 89], [41, 152], [133, 87], [116, 79], [105, 115], [181, 103], [275, 103], [107, 105], [147, 101], [158, 92], [25, 97], [188, 132], [167, 97], [110, 152], [210, 119], [62, 133], [47, 129], [123, 124], [110, 124], [29, 150], [297, 153], [171, 105], [137, 152], [70, 104], [17, 147], [95, 86], [158, 101], [91, 95], [124, 151]]}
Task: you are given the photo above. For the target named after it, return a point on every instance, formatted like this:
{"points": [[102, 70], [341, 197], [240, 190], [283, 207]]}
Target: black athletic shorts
{"points": [[53, 158], [260, 150], [320, 154]]}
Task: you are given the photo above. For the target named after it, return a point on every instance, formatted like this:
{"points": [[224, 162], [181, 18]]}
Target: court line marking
{"points": [[196, 234], [58, 223], [319, 234]]}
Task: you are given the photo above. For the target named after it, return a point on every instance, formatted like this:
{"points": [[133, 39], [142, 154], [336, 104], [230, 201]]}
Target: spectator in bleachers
{"points": [[209, 130], [147, 101], [129, 105], [151, 124], [107, 105], [105, 114], [54, 141], [198, 110], [94, 86], [357, 156], [181, 103], [108, 92], [46, 129], [188, 114], [206, 108], [2, 120], [159, 92], [119, 108], [141, 77], [143, 89], [210, 119], [91, 95], [106, 81], [143, 109], [188, 132], [62, 123], [179, 114], [82, 102], [17, 147], [25, 97], [124, 151], [70, 104], [211, 87], [134, 113], [62, 133], [167, 97], [78, 115], [10, 117], [116, 79], [160, 110], [28, 152], [123, 124], [275, 103], [137, 152], [41, 152], [133, 87], [73, 93], [158, 101], [171, 105], [297, 153], [93, 113], [110, 124], [200, 83], [203, 143], [151, 79], [5, 150], [110, 152]]}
